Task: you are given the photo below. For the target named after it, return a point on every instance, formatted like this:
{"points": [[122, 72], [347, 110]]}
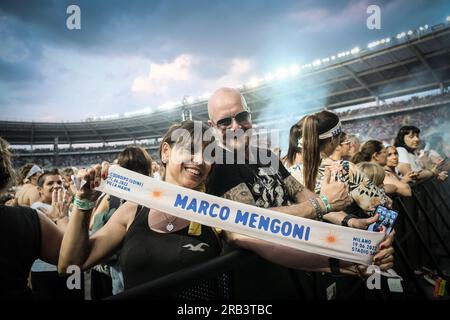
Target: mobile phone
{"points": [[386, 218]]}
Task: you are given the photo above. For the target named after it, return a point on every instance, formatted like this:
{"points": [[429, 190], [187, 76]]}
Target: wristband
{"points": [[326, 203], [83, 204], [317, 208], [346, 220]]}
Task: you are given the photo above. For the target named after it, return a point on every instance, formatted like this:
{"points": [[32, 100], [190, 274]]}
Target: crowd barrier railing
{"points": [[421, 241]]}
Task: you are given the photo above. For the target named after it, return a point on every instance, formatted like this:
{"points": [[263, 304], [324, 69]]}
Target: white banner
{"points": [[300, 233]]}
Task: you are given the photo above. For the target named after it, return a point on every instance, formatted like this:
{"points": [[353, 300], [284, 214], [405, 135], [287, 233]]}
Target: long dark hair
{"points": [[400, 138], [311, 127], [367, 150], [136, 159], [293, 149]]}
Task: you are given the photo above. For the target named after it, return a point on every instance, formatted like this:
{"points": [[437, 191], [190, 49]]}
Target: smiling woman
{"points": [[152, 243]]}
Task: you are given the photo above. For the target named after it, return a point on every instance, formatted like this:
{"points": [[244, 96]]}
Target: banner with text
{"points": [[300, 233]]}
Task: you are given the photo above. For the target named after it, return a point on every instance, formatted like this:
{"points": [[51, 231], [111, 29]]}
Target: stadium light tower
{"points": [[186, 111]]}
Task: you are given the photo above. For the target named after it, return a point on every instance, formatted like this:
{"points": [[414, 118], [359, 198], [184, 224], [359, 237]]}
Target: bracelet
{"points": [[83, 204], [346, 220], [326, 203], [317, 208]]}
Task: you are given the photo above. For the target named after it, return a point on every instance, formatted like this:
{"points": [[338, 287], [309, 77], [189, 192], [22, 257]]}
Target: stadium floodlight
{"points": [[401, 35], [410, 32], [388, 40], [333, 57], [186, 100], [448, 19], [294, 69], [109, 117], [316, 63], [425, 26], [355, 50]]}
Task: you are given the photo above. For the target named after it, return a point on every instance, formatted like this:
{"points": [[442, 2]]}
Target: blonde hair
{"points": [[373, 172]]}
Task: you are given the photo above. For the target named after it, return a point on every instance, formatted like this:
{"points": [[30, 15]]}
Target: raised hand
{"points": [[60, 204], [336, 192], [92, 178]]}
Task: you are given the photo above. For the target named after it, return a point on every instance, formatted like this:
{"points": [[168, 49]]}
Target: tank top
{"points": [[147, 255]]}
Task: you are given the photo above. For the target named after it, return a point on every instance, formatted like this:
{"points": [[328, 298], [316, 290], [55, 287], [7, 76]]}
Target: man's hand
{"points": [[336, 192], [362, 223]]}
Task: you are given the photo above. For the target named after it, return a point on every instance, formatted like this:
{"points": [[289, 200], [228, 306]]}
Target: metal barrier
{"points": [[422, 238], [166, 286], [421, 233]]}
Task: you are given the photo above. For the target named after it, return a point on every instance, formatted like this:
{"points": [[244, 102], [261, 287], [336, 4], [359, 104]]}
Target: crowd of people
{"points": [[398, 105], [382, 127], [328, 174]]}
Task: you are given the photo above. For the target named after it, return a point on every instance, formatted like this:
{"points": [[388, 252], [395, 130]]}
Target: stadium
{"points": [[403, 65], [374, 89]]}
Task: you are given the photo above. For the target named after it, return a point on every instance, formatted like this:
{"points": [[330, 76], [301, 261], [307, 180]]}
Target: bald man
{"points": [[267, 185]]}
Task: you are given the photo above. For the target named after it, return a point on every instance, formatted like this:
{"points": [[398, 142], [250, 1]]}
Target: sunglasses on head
{"points": [[241, 118]]}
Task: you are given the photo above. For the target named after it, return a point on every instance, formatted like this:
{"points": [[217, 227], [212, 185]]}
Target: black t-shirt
{"points": [[20, 245], [147, 255], [265, 181], [263, 174]]}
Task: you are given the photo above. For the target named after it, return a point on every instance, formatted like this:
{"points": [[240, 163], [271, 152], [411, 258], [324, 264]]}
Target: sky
{"points": [[132, 55]]}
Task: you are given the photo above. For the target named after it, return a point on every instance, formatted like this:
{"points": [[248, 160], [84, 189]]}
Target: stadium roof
{"points": [[419, 62]]}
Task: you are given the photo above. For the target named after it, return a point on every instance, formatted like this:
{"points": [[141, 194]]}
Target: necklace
{"points": [[170, 226]]}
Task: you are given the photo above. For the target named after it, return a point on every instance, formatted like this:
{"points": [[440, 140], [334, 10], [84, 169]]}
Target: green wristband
{"points": [[83, 204], [326, 203]]}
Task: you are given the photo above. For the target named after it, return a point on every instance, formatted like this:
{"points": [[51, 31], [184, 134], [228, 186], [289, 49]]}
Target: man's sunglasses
{"points": [[241, 118]]}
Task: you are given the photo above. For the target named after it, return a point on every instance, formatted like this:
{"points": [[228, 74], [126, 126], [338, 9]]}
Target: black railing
{"points": [[422, 240]]}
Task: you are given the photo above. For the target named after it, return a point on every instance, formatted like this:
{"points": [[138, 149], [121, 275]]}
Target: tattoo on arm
{"points": [[240, 193], [294, 188]]}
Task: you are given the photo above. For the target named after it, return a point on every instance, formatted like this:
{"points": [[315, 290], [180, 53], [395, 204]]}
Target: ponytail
{"points": [[367, 150], [358, 158], [311, 151]]}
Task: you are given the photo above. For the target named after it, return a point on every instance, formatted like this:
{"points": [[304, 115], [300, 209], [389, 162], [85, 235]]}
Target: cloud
{"points": [[236, 75], [314, 20], [162, 75], [184, 76], [308, 15]]}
